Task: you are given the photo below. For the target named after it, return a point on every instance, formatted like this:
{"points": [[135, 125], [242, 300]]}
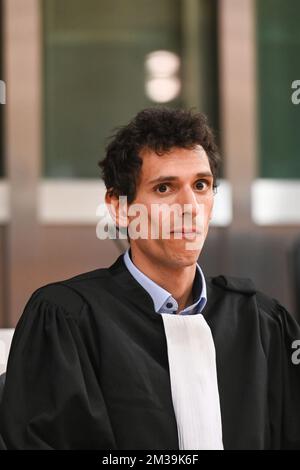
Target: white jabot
{"points": [[194, 385]]}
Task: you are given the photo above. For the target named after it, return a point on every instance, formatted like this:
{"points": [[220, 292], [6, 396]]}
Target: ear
{"points": [[117, 207]]}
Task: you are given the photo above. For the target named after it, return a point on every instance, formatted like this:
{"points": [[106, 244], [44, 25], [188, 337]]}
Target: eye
{"points": [[201, 185], [162, 188]]}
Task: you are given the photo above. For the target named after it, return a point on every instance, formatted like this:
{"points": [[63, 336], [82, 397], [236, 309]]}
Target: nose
{"points": [[188, 201]]}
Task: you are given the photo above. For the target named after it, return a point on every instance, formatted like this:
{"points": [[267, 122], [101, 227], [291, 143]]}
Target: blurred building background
{"points": [[76, 69]]}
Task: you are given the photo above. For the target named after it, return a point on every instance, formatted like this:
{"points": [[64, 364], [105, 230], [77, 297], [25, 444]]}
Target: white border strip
{"points": [[4, 201], [76, 201], [276, 202], [69, 201]]}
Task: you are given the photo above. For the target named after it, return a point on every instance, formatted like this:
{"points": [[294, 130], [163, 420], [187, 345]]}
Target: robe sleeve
{"points": [[52, 397], [282, 346]]}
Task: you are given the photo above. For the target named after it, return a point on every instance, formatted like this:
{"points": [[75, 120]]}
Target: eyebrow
{"points": [[175, 178]]}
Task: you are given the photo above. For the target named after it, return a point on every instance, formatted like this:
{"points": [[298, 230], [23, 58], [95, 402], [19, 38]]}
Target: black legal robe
{"points": [[88, 368]]}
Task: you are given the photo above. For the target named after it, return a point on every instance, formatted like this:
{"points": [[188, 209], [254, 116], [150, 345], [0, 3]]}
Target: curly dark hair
{"points": [[158, 129]]}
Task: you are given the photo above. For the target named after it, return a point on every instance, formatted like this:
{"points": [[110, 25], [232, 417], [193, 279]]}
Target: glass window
{"points": [[278, 54], [102, 64]]}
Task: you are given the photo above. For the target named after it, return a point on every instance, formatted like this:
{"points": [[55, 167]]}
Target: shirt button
{"points": [[169, 305]]}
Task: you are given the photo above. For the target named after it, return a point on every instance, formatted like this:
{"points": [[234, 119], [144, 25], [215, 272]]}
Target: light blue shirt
{"points": [[163, 301]]}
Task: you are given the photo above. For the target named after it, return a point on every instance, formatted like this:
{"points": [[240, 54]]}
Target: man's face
{"points": [[180, 179]]}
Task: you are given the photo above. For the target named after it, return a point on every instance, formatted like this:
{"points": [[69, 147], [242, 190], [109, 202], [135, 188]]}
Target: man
{"points": [[150, 354]]}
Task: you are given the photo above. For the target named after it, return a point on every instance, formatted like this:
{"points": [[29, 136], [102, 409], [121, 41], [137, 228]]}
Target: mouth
{"points": [[187, 233], [187, 230]]}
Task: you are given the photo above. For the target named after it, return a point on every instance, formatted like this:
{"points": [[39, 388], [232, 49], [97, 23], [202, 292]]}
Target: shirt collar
{"points": [[163, 300]]}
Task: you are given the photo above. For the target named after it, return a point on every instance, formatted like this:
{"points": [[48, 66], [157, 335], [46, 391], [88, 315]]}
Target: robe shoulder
{"points": [[60, 295], [235, 284], [69, 294], [246, 287]]}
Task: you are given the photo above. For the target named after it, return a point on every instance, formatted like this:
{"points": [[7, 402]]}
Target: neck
{"points": [[178, 280]]}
